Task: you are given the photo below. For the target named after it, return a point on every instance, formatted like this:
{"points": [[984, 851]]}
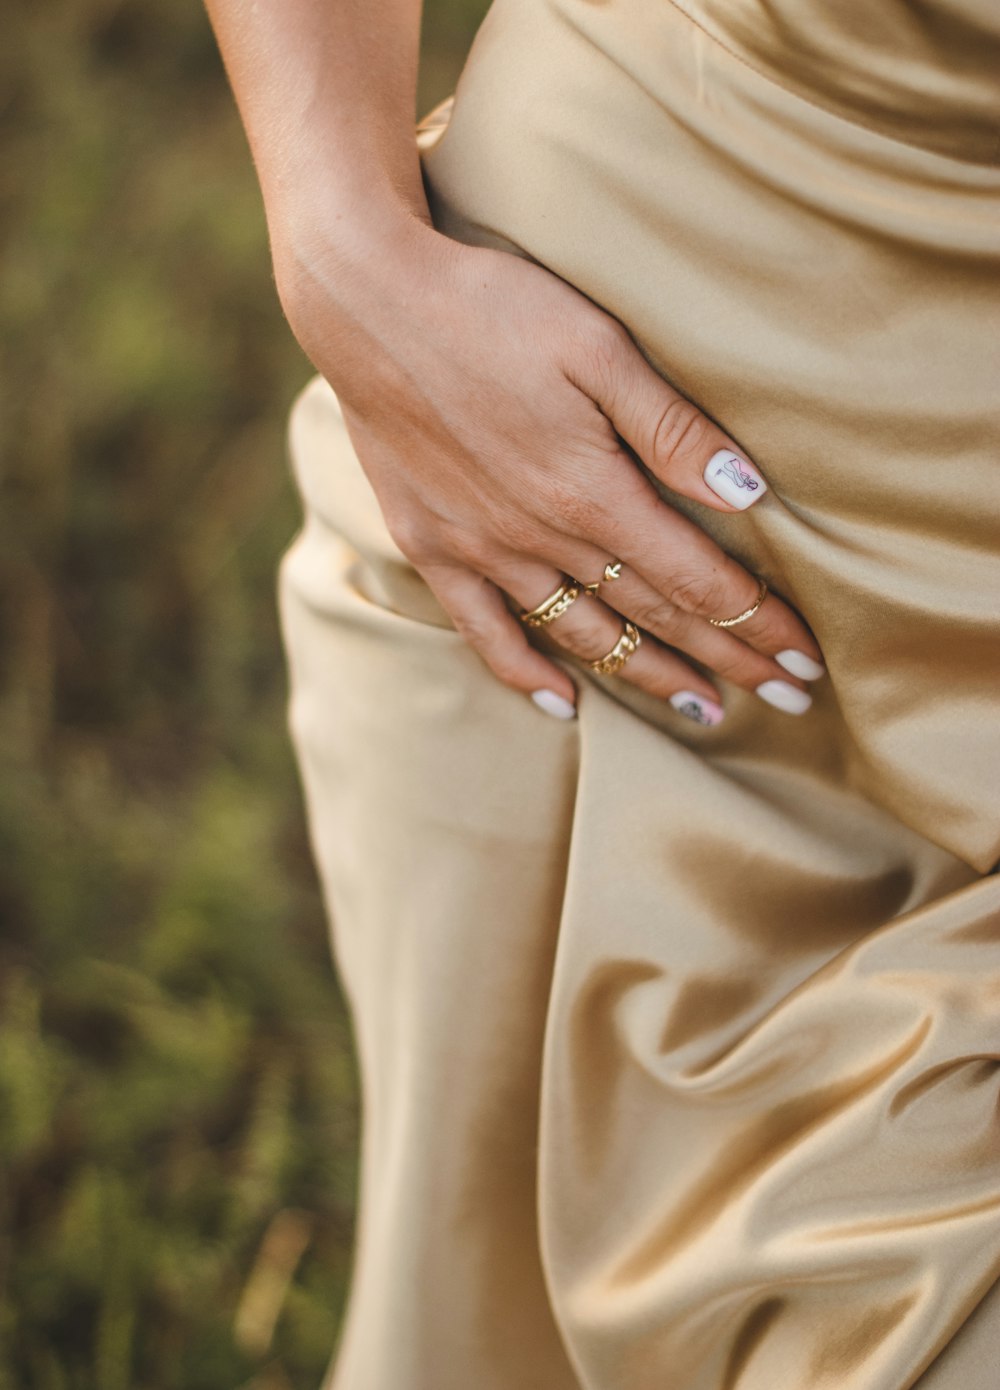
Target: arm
{"points": [[327, 93], [469, 379]]}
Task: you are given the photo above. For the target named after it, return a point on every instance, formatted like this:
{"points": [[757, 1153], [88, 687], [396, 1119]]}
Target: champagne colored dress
{"points": [[679, 1045]]}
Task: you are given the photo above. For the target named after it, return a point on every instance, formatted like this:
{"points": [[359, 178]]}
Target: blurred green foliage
{"points": [[178, 1109]]}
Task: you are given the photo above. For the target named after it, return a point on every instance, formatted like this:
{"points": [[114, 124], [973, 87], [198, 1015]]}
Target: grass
{"points": [[178, 1099]]}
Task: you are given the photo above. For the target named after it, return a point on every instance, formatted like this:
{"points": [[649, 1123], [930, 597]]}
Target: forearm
{"points": [[327, 91]]}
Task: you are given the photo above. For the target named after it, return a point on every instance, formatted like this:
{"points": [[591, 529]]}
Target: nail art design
{"points": [[698, 708], [783, 696], [801, 665], [734, 480], [733, 468]]}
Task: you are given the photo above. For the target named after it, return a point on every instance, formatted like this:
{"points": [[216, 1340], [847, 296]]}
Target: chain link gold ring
{"points": [[628, 643], [553, 607]]}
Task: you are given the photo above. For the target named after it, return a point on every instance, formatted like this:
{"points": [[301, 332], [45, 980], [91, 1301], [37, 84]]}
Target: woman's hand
{"points": [[485, 397]]}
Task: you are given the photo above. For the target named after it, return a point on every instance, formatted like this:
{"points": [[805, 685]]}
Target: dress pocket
{"points": [[343, 522]]}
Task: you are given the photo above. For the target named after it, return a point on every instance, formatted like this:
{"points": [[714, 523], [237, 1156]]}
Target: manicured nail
{"points": [[697, 707], [784, 696], [801, 665], [734, 480], [555, 704]]}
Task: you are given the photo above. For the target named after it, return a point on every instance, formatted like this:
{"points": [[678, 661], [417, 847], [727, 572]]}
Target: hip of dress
{"points": [[803, 237]]}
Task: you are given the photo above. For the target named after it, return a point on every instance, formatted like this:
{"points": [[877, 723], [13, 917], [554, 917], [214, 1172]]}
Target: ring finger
{"points": [[686, 570], [590, 629], [758, 655], [761, 668]]}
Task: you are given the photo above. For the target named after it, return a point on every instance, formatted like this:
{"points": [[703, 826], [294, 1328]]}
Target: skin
{"points": [[486, 397]]}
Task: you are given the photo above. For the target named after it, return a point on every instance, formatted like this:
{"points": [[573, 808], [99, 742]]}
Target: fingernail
{"points": [[800, 665], [697, 707], [555, 704], [734, 480], [785, 697]]}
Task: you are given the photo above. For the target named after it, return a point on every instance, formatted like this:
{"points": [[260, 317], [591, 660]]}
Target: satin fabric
{"points": [[679, 1045]]}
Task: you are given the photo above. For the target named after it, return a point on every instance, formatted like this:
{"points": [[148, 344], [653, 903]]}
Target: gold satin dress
{"points": [[679, 1045]]}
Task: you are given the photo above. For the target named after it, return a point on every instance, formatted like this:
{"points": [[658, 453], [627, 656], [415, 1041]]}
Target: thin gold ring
{"points": [[747, 612], [612, 571], [552, 607], [615, 659]]}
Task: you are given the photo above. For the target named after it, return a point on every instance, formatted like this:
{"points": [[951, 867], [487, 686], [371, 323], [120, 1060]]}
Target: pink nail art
{"points": [[698, 708]]}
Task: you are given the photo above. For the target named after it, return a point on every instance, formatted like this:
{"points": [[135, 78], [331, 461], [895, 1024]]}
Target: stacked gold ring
{"points": [[556, 605], [553, 607], [615, 659]]}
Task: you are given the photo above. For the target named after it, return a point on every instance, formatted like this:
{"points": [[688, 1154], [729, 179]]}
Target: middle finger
{"points": [[687, 569], [719, 649]]}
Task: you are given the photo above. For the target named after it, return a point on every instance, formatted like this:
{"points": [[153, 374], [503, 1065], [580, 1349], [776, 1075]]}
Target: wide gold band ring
{"points": [[747, 612], [552, 607], [612, 571], [628, 642]]}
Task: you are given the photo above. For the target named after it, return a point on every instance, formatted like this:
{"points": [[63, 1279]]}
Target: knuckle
{"points": [[702, 592], [659, 615], [575, 509], [478, 629], [606, 339], [514, 531], [681, 434]]}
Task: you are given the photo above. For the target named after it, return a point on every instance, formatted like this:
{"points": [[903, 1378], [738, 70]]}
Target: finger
{"points": [[724, 654], [676, 441], [718, 649], [756, 650], [670, 569], [589, 629], [481, 616]]}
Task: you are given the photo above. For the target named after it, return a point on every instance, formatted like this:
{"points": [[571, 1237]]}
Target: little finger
{"points": [[481, 616]]}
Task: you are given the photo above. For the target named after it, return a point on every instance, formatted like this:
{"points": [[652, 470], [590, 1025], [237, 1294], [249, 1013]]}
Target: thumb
{"points": [[678, 443]]}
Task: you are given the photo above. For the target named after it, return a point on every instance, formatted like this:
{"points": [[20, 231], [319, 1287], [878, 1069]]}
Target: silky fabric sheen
{"points": [[679, 1045]]}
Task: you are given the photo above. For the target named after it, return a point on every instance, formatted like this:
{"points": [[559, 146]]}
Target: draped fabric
{"points": [[679, 1045]]}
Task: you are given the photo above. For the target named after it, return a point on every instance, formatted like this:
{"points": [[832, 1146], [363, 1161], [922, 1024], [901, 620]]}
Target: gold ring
{"points": [[628, 642], [747, 612], [612, 570], [553, 607]]}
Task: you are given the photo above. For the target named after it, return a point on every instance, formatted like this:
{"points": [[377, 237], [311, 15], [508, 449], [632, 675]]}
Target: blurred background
{"points": [[178, 1105]]}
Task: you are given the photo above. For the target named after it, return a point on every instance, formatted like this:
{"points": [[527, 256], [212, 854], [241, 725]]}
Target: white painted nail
{"points": [[553, 703], [697, 707], [734, 480], [784, 696], [801, 665]]}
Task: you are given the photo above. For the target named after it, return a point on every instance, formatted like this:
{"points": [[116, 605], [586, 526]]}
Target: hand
{"points": [[485, 397]]}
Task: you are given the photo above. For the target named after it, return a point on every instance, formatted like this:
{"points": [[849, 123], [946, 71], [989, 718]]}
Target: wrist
{"points": [[331, 196], [338, 262]]}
